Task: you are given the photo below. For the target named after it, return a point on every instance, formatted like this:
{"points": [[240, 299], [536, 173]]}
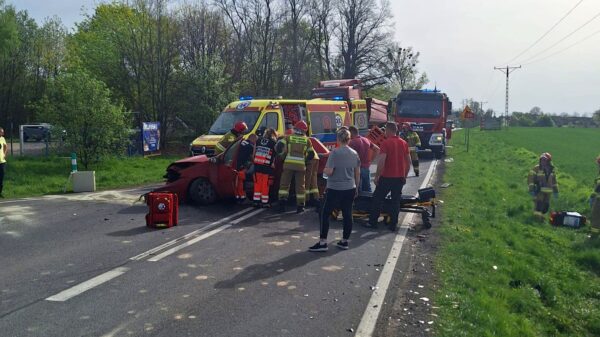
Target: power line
{"points": [[564, 38], [565, 49], [546, 33]]}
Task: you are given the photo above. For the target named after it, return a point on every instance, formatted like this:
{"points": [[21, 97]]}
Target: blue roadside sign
{"points": [[151, 137]]}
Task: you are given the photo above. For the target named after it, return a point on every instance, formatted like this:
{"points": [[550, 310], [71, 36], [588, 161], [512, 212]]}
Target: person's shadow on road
{"points": [[263, 271]]}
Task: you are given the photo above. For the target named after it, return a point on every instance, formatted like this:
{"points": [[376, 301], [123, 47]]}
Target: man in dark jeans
{"points": [[392, 168], [3, 153]]}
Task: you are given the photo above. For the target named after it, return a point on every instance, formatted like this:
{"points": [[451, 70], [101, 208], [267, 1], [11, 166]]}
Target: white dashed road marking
{"points": [[87, 285]]}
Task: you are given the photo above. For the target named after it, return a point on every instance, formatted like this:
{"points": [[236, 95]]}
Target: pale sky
{"points": [[462, 40]]}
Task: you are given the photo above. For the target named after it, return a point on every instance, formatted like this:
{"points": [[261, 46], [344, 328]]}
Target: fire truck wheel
{"points": [[202, 192]]}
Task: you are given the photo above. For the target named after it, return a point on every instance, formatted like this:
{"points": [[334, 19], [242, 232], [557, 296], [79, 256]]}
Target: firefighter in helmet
{"points": [[238, 129], [595, 200], [413, 140], [542, 182], [296, 150]]}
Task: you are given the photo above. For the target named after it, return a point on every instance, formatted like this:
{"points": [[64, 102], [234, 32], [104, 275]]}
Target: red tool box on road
{"points": [[163, 209]]}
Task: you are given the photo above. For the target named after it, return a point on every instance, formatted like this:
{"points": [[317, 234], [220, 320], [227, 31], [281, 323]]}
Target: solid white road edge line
{"points": [[368, 321], [187, 243], [87, 285], [187, 236], [203, 236]]}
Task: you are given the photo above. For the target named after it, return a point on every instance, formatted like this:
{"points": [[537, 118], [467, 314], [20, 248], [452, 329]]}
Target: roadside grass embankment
{"points": [[35, 176], [502, 272]]}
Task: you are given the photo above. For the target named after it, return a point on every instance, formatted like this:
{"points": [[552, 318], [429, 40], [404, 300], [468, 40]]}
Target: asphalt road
{"points": [[85, 265]]}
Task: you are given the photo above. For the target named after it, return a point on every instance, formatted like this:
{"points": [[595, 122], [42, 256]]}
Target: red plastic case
{"points": [[163, 209]]}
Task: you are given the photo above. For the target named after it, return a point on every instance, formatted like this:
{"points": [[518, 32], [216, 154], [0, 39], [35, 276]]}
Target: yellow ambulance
{"points": [[323, 116]]}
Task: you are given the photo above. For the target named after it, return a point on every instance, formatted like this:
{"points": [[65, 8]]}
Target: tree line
{"points": [[179, 64]]}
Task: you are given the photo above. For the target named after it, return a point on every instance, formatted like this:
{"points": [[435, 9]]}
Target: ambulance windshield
{"points": [[227, 119]]}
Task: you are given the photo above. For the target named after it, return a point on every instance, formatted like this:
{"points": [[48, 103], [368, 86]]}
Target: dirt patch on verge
{"points": [[409, 309]]}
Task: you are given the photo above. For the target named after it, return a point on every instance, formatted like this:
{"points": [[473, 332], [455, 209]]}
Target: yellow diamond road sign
{"points": [[467, 113]]}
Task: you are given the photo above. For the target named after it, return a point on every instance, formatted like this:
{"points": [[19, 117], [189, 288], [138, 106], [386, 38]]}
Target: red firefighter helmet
{"points": [[302, 126], [240, 127], [546, 155]]}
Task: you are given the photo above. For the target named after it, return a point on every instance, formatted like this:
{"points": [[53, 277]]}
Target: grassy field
{"points": [[33, 176], [502, 272]]}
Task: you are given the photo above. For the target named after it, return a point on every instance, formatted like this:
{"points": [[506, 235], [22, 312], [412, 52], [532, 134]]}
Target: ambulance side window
{"points": [[270, 120], [324, 122]]}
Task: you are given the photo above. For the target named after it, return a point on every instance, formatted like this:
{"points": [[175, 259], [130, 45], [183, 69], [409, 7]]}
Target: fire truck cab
{"points": [[427, 111]]}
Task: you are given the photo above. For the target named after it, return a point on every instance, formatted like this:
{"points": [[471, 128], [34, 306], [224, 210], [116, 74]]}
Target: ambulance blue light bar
{"points": [[246, 98], [338, 98]]}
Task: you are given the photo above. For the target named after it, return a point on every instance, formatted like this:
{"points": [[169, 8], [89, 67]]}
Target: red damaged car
{"points": [[202, 181]]}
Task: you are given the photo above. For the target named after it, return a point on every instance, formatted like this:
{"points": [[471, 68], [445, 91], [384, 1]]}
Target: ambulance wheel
{"points": [[202, 192]]}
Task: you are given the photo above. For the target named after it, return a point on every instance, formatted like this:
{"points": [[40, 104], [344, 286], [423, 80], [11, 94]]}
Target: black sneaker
{"points": [[282, 206], [369, 225], [318, 247], [266, 205], [300, 209], [256, 204], [342, 245]]}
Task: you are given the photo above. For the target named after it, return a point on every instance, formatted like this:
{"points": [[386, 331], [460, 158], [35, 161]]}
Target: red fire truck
{"points": [[427, 111], [366, 112]]}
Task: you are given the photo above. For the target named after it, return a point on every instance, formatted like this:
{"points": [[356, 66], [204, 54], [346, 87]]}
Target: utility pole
{"points": [[507, 71], [481, 106]]}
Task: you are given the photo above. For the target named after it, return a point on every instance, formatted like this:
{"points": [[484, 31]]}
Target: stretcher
{"points": [[423, 203]]}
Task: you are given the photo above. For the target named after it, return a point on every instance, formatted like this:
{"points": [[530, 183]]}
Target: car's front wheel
{"points": [[202, 192]]}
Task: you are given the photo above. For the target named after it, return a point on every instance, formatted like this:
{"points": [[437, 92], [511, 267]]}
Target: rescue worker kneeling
{"points": [[542, 183], [297, 150]]}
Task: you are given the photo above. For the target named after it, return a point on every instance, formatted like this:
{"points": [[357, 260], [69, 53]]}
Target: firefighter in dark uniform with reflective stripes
{"points": [[595, 200], [542, 183], [297, 150], [413, 140], [311, 181], [238, 129]]}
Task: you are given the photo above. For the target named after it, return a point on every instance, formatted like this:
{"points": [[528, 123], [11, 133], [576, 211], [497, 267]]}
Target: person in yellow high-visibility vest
{"points": [[238, 129], [595, 200], [297, 150], [542, 183], [413, 140]]}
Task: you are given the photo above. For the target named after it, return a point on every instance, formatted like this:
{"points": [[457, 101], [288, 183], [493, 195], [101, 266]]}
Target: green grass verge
{"points": [[34, 176], [547, 280]]}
